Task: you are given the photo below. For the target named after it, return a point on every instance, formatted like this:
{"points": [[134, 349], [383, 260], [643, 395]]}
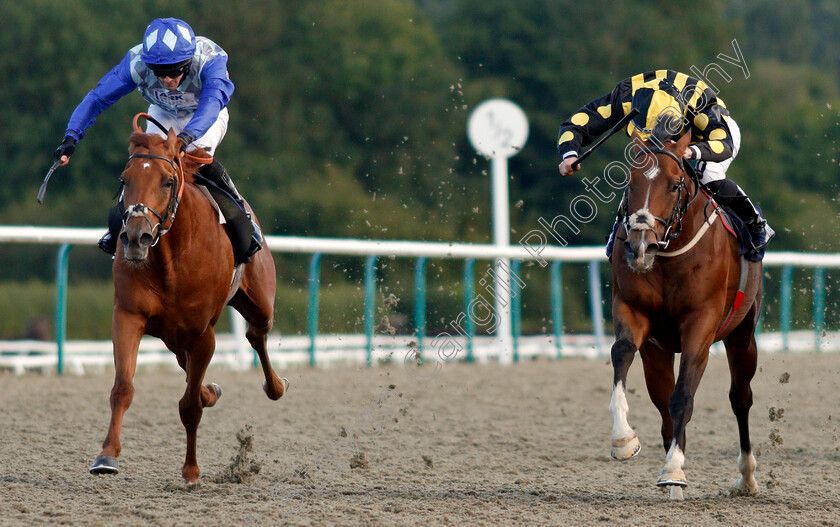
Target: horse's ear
{"points": [[171, 141], [683, 143]]}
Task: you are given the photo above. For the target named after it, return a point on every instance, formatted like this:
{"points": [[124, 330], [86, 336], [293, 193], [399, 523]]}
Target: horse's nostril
{"points": [[628, 250], [124, 239], [146, 239], [652, 248]]}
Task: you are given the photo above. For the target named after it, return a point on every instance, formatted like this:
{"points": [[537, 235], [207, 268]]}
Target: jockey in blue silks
{"points": [[184, 78]]}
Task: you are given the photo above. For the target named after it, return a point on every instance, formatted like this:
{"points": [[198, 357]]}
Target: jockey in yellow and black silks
{"points": [[668, 94]]}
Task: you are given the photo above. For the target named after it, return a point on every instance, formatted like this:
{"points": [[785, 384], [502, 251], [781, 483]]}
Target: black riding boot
{"points": [[729, 194], [245, 233], [108, 243]]}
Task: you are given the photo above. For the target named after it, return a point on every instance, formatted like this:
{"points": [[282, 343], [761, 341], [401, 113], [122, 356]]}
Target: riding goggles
{"points": [[170, 70]]}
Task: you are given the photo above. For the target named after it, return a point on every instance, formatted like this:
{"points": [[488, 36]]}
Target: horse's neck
{"points": [[695, 216], [180, 234]]}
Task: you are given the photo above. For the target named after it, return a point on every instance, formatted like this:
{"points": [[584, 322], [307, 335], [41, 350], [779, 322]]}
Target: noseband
{"points": [[140, 210], [673, 225]]}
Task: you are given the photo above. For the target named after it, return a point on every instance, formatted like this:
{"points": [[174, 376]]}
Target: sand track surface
{"points": [[478, 445]]}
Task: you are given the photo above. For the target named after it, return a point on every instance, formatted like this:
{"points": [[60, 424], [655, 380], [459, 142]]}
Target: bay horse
{"points": [[172, 281], [680, 286]]}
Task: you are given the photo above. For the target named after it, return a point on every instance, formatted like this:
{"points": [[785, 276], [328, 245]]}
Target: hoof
{"points": [[105, 465], [217, 389], [625, 448], [673, 478], [744, 488], [274, 397]]}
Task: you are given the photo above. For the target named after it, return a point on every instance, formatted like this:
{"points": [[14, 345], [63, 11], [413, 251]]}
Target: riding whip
{"points": [[43, 189], [618, 126]]}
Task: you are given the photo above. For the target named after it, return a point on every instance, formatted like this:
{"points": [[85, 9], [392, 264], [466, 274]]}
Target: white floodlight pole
{"points": [[498, 130]]}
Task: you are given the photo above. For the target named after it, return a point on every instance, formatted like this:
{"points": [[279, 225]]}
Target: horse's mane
{"points": [[146, 140]]}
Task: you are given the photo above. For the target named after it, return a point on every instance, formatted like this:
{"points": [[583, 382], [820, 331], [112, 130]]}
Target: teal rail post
{"points": [[314, 288], [760, 322], [469, 288], [786, 292], [819, 305], [61, 304], [557, 304], [420, 301], [370, 304], [595, 303], [516, 307]]}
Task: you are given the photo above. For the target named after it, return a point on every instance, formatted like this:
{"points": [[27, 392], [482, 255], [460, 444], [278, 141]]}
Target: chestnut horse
{"points": [[679, 287], [172, 280]]}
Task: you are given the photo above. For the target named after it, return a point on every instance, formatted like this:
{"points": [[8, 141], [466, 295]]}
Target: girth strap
{"points": [[739, 295]]}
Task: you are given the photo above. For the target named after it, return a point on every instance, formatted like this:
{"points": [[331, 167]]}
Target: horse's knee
{"points": [[622, 354]]}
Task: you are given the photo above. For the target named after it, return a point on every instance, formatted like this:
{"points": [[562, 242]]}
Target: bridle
{"points": [[140, 210], [673, 225]]}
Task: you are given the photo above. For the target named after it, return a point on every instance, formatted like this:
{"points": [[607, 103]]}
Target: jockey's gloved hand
{"points": [[186, 138], [66, 148]]}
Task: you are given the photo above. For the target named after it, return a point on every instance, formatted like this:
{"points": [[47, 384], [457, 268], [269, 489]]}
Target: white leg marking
{"points": [[672, 473], [619, 409], [675, 459], [625, 444], [746, 484]]}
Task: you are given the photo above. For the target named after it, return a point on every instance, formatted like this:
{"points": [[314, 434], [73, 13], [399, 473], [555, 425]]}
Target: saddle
{"points": [[232, 215], [736, 227]]}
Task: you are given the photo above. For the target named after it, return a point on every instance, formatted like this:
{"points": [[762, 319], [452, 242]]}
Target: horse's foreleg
{"points": [[625, 442], [127, 329], [630, 332], [695, 356], [742, 353], [191, 404]]}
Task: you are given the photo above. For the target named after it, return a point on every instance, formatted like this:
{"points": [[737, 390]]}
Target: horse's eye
{"points": [[169, 183], [675, 188]]}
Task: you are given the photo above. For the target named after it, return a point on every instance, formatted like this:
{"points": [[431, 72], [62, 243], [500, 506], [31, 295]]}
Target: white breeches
{"points": [[209, 141], [712, 171]]}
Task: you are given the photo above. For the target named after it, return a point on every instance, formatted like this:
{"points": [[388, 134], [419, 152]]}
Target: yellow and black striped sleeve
{"points": [[584, 127]]}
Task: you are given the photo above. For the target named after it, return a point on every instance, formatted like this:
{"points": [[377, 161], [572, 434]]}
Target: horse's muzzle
{"points": [[136, 239], [640, 249]]}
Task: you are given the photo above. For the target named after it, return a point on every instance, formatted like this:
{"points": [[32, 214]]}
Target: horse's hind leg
{"points": [[742, 353], [210, 393], [659, 379], [258, 311], [126, 331], [630, 331], [191, 404]]}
